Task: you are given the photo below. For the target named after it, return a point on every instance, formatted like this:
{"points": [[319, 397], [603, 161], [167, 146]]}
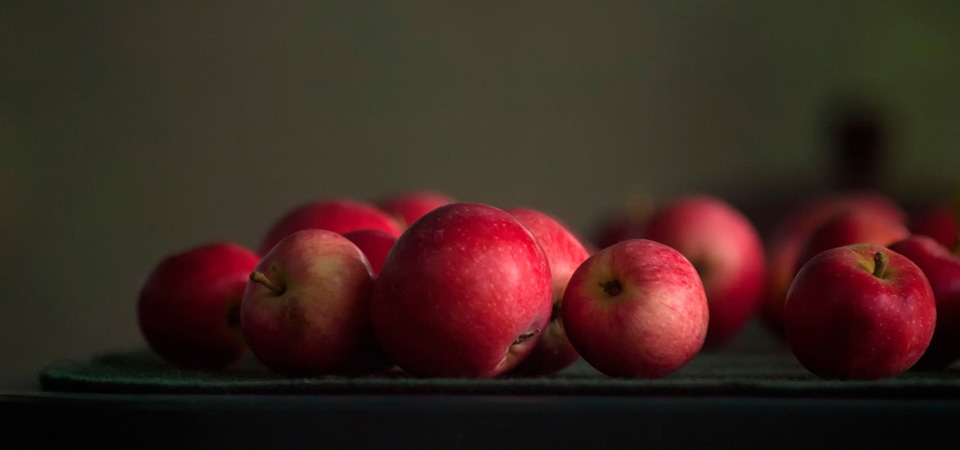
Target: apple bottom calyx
{"points": [[259, 277]]}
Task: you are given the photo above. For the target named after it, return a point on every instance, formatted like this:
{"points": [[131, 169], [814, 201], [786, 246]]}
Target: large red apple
{"points": [[564, 253], [859, 312], [726, 250], [793, 230], [375, 245], [939, 223], [338, 215], [189, 307], [465, 292], [306, 309], [851, 228], [410, 206], [942, 269], [636, 309]]}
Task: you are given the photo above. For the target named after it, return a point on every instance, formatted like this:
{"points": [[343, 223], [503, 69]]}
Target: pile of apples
{"points": [[437, 288]]}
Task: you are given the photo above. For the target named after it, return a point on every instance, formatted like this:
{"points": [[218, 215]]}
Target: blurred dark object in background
{"points": [[858, 136]]}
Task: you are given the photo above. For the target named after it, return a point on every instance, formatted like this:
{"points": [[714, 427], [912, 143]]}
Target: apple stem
{"points": [[880, 261], [259, 277]]}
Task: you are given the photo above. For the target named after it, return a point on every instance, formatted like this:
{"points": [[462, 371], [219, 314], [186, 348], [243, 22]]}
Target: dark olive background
{"points": [[132, 130]]}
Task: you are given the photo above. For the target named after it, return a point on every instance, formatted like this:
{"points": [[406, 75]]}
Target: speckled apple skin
{"points": [[653, 327], [458, 289], [337, 215], [942, 269], [187, 307], [564, 253], [842, 322], [791, 233], [320, 324]]}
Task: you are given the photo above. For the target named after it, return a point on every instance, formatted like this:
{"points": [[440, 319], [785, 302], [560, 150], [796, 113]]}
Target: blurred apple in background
{"points": [[375, 245], [189, 307], [465, 292], [791, 233], [337, 215], [942, 269], [625, 223], [565, 253], [306, 308], [849, 228], [636, 309], [407, 207], [727, 252], [939, 223], [859, 312]]}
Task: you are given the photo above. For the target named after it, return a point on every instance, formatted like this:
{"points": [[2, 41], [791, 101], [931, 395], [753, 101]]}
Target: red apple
{"points": [[942, 269], [939, 223], [407, 207], [636, 309], [792, 232], [851, 228], [859, 312], [465, 292], [375, 245], [306, 308], [338, 215], [726, 250], [564, 253], [189, 307]]}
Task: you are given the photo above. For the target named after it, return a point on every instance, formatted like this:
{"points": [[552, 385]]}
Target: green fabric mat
{"points": [[753, 374]]}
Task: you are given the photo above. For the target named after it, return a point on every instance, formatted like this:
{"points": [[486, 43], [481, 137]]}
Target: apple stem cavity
{"points": [[612, 288], [259, 277], [880, 261]]}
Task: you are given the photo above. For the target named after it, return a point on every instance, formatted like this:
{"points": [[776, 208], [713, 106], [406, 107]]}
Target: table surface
{"points": [[719, 400]]}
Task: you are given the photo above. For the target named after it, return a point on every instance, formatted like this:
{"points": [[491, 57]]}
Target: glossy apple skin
{"points": [[458, 289], [727, 251], [375, 245], [938, 223], [337, 215], [407, 207], [842, 322], [653, 326], [188, 308], [320, 323], [851, 228], [564, 253], [942, 269], [793, 230]]}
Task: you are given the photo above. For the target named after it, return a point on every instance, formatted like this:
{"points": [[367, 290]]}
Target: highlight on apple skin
{"points": [[636, 309]]}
